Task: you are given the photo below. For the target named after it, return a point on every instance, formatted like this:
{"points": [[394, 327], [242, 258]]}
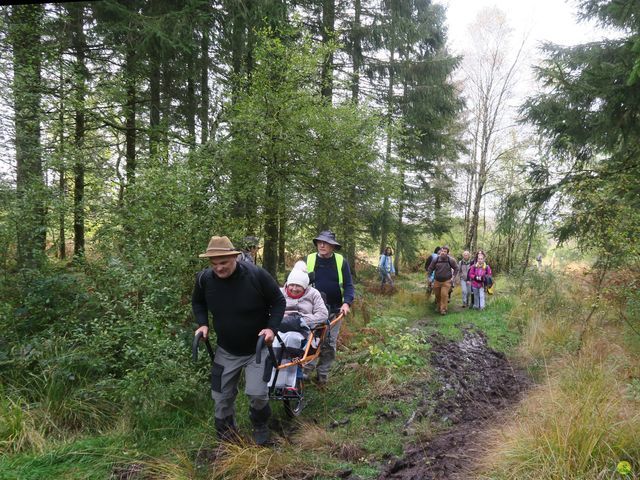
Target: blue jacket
{"points": [[386, 264]]}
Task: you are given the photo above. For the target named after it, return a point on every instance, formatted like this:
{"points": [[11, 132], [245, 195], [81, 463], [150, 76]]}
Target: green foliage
{"points": [[588, 117], [401, 350]]}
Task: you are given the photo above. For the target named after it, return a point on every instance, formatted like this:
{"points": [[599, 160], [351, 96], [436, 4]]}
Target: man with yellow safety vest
{"points": [[332, 277]]}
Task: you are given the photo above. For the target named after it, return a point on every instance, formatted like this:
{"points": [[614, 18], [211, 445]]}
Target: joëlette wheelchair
{"points": [[283, 366]]}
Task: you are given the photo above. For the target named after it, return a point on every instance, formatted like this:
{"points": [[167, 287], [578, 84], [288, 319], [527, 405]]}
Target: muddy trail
{"points": [[476, 384]]}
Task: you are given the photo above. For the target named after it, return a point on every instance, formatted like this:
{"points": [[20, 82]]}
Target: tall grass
{"points": [[580, 422]]}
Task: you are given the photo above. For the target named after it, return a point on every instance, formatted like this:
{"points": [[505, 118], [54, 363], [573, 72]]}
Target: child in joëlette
{"points": [[478, 274]]}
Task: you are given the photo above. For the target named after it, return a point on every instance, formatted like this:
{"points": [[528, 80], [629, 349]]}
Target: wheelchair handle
{"points": [[194, 347], [259, 346]]}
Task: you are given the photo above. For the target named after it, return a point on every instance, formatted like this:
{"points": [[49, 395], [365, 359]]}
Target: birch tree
{"points": [[490, 74]]}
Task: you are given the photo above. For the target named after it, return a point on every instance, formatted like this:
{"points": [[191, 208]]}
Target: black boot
{"points": [[259, 420], [226, 429]]}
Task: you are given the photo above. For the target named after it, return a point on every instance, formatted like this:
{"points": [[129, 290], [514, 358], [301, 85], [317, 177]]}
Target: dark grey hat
{"points": [[329, 237], [250, 241]]}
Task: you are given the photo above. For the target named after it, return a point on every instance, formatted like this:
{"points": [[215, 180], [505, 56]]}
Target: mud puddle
{"points": [[476, 384]]}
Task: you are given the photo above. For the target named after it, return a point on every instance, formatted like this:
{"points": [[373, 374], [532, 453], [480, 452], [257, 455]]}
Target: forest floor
{"points": [[412, 395], [476, 385]]}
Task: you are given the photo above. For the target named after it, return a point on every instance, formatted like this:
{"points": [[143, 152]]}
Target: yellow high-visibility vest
{"points": [[311, 265]]}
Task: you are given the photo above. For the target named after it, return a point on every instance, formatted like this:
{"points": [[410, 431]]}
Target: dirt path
{"points": [[476, 385]]}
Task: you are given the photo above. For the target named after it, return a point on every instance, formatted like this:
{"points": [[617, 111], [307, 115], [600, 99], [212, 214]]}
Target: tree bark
{"points": [[386, 205], [328, 31], [270, 259], [154, 106], [356, 51], [25, 23], [204, 84], [79, 45], [282, 237], [130, 115]]}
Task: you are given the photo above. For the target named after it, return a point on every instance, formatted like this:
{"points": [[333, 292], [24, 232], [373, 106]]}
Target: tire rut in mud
{"points": [[476, 383]]}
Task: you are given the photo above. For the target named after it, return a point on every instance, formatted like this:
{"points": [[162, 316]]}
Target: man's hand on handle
{"points": [[205, 331], [344, 309], [269, 336]]}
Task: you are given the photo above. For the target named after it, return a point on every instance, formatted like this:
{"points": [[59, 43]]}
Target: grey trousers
{"points": [[225, 376], [465, 286], [327, 354]]}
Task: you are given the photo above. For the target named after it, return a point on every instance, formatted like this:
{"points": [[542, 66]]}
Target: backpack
{"points": [[438, 260], [430, 259]]}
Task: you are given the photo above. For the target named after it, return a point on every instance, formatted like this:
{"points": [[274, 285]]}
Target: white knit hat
{"points": [[300, 265], [298, 277]]}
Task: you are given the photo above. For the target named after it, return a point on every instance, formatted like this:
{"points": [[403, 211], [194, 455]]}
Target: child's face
{"points": [[480, 257]]}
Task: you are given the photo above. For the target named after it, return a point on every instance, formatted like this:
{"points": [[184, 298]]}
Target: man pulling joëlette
{"points": [[245, 302]]}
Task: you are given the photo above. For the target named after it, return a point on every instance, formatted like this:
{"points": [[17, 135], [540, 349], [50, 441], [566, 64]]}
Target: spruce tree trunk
{"points": [[191, 109], [79, 44], [204, 84], [282, 236], [356, 52], [130, 116], [62, 193], [386, 205], [25, 23], [328, 30], [270, 259], [154, 106], [349, 209]]}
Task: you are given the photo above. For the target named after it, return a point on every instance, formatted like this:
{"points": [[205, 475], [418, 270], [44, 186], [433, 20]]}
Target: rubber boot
{"points": [[226, 429], [259, 420]]}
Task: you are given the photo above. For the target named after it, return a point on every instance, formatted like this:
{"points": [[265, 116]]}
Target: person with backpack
{"points": [[444, 269], [465, 285], [249, 249], [430, 276], [479, 273], [245, 303], [386, 268], [332, 277]]}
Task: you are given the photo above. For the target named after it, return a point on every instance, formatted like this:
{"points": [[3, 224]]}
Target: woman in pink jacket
{"points": [[478, 275]]}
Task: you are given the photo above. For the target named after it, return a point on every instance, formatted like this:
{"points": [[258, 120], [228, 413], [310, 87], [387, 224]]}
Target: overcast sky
{"points": [[539, 20]]}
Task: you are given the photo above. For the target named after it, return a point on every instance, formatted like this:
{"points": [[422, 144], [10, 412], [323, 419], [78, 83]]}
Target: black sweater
{"points": [[241, 305]]}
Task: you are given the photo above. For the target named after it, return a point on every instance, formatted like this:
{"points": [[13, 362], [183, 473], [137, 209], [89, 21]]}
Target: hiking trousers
{"points": [[478, 298], [327, 356], [385, 277], [465, 286], [225, 376], [441, 290]]}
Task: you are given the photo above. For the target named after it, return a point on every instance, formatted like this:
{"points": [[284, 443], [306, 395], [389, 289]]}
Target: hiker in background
{"points": [[245, 303], [445, 269], [430, 276], [386, 268], [465, 285], [478, 274], [539, 261], [332, 277], [249, 249]]}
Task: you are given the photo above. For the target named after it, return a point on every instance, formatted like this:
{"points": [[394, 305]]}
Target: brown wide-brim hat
{"points": [[327, 236], [220, 247]]}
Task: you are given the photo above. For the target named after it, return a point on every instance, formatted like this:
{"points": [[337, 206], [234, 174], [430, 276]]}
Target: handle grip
{"points": [[259, 346], [194, 347]]}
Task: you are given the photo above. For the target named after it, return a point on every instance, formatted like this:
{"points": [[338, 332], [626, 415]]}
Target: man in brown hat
{"points": [[332, 277], [245, 302]]}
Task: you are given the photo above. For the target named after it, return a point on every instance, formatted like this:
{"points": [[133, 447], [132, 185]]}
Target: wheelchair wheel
{"points": [[293, 404]]}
